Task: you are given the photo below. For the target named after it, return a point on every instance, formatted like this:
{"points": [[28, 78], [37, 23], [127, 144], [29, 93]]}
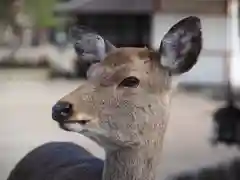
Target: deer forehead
{"points": [[123, 62], [128, 55]]}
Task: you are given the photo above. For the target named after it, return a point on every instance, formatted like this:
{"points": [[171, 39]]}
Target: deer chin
{"points": [[78, 127], [98, 136], [72, 126], [101, 137]]}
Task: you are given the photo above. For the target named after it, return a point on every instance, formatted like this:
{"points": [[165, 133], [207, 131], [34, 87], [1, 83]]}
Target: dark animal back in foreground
{"points": [[58, 161]]}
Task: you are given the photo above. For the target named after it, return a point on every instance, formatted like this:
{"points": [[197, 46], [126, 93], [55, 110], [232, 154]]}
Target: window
{"points": [[122, 30]]}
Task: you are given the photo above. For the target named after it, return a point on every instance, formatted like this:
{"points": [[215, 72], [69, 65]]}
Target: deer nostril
{"points": [[62, 111]]}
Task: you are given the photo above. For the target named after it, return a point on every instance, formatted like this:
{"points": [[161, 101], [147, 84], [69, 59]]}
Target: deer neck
{"points": [[131, 164]]}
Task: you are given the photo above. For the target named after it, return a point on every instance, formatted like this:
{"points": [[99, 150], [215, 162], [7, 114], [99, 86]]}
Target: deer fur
{"points": [[124, 104]]}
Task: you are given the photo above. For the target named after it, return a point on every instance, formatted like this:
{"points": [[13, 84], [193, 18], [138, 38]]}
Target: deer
{"points": [[123, 106]]}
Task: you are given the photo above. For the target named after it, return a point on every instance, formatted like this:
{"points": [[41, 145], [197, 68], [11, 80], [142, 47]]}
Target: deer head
{"points": [[125, 100]]}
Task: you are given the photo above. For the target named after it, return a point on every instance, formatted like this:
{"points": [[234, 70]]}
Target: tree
{"points": [[42, 12], [18, 14], [43, 15], [4, 9]]}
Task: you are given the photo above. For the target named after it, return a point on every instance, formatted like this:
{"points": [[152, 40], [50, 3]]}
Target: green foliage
{"points": [[4, 9], [42, 12]]}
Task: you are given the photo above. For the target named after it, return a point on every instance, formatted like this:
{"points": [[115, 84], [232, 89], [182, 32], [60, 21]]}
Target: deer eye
{"points": [[131, 82]]}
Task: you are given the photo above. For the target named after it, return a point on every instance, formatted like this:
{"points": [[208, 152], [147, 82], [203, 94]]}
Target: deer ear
{"points": [[89, 45], [95, 70], [181, 45]]}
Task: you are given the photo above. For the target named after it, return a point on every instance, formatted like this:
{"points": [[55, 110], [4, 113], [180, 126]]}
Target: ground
{"points": [[25, 106]]}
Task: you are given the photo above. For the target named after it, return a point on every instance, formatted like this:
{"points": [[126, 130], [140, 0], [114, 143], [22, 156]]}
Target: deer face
{"points": [[124, 102]]}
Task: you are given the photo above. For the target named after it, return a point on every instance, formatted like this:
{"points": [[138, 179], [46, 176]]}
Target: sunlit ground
{"points": [[25, 106]]}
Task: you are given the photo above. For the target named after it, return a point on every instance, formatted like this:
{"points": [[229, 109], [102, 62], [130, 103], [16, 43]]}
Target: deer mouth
{"points": [[79, 127], [74, 126], [101, 137]]}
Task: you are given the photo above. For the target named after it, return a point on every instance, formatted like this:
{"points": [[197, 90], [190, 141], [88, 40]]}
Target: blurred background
{"points": [[38, 65]]}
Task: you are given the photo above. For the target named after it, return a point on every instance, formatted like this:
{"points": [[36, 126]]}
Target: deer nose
{"points": [[62, 111]]}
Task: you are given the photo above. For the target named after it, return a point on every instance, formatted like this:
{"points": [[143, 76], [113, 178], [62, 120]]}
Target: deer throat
{"points": [[129, 164]]}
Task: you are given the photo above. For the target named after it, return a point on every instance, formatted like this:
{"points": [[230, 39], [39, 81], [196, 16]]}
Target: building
{"points": [[123, 22], [144, 22]]}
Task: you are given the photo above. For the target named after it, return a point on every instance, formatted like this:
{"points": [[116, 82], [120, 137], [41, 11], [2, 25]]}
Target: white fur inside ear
{"points": [[168, 61], [100, 47]]}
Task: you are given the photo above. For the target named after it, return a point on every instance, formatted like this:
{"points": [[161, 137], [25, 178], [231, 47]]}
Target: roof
{"points": [[105, 6], [69, 5]]}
